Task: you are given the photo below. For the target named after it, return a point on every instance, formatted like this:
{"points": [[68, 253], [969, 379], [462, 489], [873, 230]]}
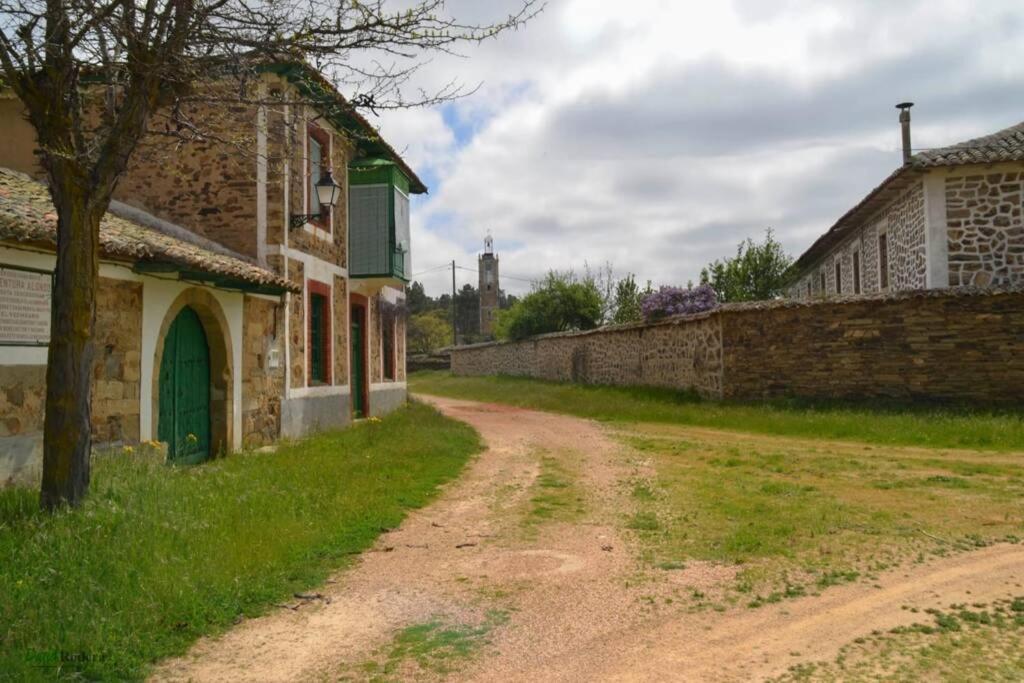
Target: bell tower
{"points": [[487, 264]]}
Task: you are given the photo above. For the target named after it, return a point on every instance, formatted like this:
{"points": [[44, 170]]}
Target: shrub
{"points": [[669, 301]]}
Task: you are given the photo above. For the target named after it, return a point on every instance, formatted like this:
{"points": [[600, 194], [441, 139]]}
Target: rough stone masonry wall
{"points": [[678, 354], [903, 222], [985, 228], [955, 344], [115, 400], [262, 385]]}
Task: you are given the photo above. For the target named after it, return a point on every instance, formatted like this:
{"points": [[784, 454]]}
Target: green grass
{"points": [[891, 424], [159, 556], [433, 647], [554, 495], [799, 516], [961, 644]]}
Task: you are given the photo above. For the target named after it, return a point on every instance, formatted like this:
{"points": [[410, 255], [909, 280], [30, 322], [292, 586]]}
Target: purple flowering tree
{"points": [[669, 301]]}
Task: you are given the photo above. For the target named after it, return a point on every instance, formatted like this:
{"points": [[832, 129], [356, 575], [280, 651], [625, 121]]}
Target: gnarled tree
{"points": [[95, 76]]}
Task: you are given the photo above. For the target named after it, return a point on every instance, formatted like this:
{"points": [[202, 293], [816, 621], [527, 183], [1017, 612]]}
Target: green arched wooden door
{"points": [[184, 421]]}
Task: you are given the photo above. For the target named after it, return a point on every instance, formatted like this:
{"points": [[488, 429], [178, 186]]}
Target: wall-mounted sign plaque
{"points": [[25, 297]]}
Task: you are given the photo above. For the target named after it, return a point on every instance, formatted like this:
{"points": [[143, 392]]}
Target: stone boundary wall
{"points": [[952, 344]]}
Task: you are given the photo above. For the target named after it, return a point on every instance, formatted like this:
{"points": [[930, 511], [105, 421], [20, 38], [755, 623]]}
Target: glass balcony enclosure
{"points": [[378, 228]]}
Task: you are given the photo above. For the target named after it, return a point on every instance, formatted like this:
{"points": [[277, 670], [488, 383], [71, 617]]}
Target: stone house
{"points": [[233, 308], [948, 217]]}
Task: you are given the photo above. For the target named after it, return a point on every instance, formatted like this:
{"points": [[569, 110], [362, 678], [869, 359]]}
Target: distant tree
{"points": [[560, 302], [756, 273], [627, 299], [429, 331], [603, 280], [417, 300], [506, 301], [467, 313]]}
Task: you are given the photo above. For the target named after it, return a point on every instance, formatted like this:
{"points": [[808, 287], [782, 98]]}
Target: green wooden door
{"points": [[184, 421], [358, 384]]}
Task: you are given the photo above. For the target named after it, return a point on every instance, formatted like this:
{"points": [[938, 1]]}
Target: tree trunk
{"points": [[67, 435]]}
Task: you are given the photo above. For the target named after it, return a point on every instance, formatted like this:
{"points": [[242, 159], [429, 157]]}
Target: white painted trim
{"points": [[265, 297], [157, 297], [286, 191], [321, 390], [388, 385], [936, 242], [23, 355], [318, 232], [310, 263]]}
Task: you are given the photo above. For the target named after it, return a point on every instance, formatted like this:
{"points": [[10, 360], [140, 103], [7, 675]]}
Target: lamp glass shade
{"points": [[327, 191]]}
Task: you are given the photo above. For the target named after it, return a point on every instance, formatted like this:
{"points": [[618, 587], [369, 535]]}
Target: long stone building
{"points": [[234, 308], [948, 217]]}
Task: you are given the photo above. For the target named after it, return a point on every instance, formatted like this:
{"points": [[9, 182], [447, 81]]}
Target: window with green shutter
{"points": [[319, 334]]}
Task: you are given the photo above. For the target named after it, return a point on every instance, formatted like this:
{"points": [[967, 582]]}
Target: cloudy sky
{"points": [[656, 134]]}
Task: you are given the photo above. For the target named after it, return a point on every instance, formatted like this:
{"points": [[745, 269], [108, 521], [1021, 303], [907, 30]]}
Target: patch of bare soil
{"points": [[576, 610]]}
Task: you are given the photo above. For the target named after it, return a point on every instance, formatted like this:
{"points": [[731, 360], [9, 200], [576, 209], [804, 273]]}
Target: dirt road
{"points": [[553, 593]]}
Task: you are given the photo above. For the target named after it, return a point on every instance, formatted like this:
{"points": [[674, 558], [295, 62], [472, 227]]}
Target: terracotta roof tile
{"points": [[27, 215], [1005, 145]]}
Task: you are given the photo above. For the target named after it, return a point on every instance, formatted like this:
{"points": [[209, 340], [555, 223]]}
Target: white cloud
{"points": [[657, 134]]}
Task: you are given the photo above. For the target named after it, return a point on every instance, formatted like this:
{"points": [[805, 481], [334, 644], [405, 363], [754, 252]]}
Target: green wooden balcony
{"points": [[378, 229]]}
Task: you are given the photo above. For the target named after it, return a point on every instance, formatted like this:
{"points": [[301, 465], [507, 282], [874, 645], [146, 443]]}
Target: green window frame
{"points": [[319, 351]]}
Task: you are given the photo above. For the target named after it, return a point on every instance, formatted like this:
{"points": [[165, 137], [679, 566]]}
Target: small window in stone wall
{"points": [[883, 261], [839, 277], [318, 158], [388, 348], [856, 272], [824, 287], [809, 294], [319, 318]]}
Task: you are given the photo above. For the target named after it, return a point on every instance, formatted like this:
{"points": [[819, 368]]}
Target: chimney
{"points": [[904, 108]]}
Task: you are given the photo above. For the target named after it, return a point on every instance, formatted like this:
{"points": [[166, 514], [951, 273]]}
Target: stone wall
{"points": [[262, 385], [682, 354], [953, 344], [116, 377], [986, 230], [903, 223], [118, 363]]}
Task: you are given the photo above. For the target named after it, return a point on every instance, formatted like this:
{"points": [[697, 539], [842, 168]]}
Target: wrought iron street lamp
{"points": [[327, 193]]}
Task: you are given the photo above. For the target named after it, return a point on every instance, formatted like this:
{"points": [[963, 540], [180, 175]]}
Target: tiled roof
{"points": [[27, 215], [340, 112], [1004, 145]]}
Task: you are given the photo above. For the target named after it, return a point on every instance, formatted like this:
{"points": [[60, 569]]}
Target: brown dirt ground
{"points": [[577, 610]]}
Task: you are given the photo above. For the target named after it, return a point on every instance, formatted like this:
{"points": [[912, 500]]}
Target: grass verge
{"points": [[964, 643], [554, 495], [799, 516], [880, 423], [159, 556]]}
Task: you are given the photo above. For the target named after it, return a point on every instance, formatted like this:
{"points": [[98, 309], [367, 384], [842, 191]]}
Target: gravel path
{"points": [[575, 609]]}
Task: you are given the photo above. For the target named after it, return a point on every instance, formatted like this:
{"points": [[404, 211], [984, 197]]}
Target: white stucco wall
{"points": [[157, 296]]}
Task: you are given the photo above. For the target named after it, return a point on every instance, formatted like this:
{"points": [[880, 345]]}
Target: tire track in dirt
{"points": [[575, 616]]}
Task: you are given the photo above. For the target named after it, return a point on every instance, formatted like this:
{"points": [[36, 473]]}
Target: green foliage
{"points": [[756, 273], [627, 299], [429, 331], [435, 646], [158, 556], [877, 422], [560, 302], [416, 299]]}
